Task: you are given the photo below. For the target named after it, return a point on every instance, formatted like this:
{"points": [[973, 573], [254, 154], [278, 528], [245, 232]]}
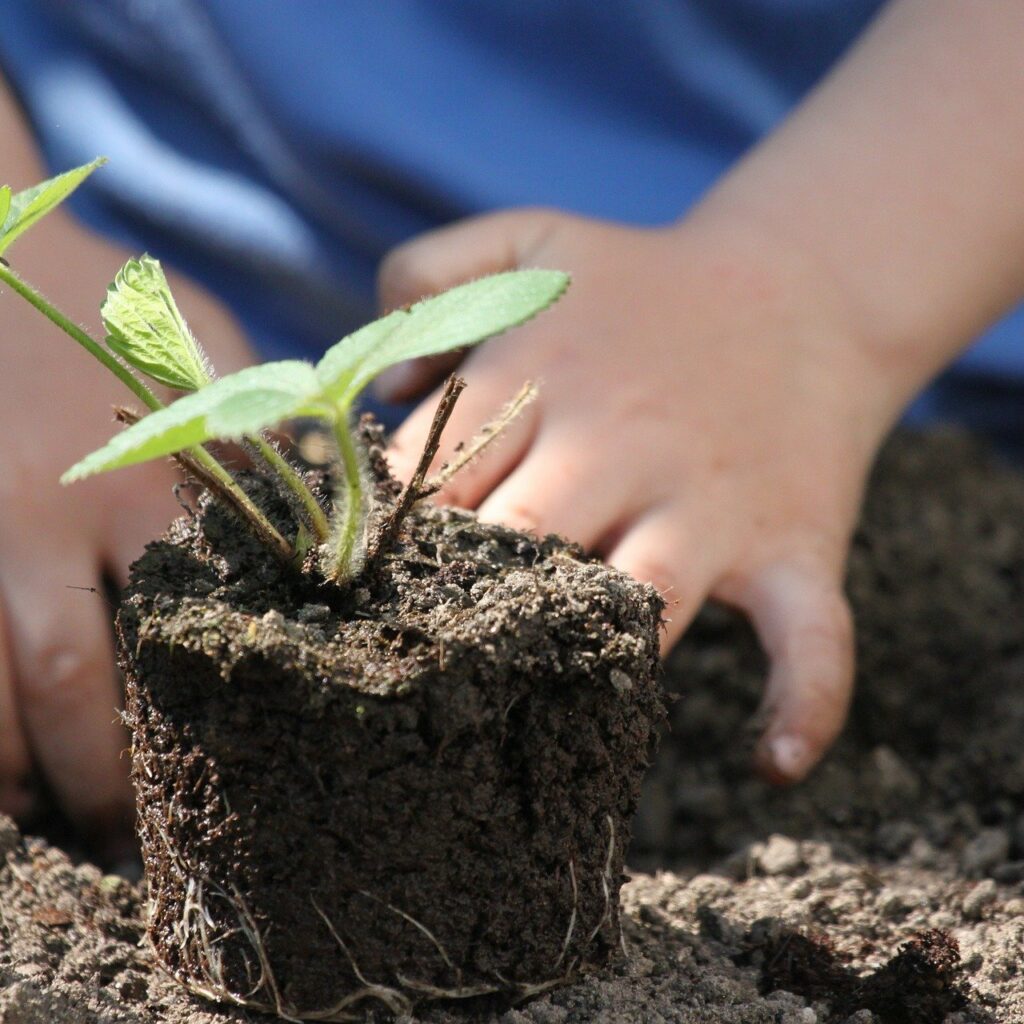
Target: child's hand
{"points": [[706, 417], [713, 393]]}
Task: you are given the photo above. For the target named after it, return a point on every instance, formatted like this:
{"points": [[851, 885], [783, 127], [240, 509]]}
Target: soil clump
{"points": [[414, 787]]}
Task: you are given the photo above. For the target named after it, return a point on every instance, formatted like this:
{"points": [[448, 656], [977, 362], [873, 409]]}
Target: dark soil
{"points": [[901, 860], [421, 786]]}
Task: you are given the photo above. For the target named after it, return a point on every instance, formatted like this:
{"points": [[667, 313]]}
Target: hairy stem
{"points": [[351, 515], [200, 464], [218, 480], [94, 348], [291, 478]]}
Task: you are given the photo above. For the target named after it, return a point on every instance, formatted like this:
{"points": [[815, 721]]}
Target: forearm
{"points": [[900, 178]]}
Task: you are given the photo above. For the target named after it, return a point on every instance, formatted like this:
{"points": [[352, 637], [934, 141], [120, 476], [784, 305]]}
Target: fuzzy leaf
{"points": [[5, 202], [244, 403], [464, 315], [146, 329], [34, 203], [340, 362]]}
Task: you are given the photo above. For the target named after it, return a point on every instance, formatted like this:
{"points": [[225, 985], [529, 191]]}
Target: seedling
{"points": [[147, 333]]}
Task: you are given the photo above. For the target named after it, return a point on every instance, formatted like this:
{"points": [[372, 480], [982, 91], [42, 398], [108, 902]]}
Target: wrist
{"points": [[877, 364]]}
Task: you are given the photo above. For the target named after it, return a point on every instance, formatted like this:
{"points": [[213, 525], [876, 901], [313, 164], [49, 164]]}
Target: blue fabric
{"points": [[277, 150]]}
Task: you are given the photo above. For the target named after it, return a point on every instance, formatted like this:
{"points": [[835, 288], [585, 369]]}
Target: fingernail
{"points": [[790, 755], [394, 380]]}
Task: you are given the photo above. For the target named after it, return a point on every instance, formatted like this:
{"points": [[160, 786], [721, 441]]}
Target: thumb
{"points": [[437, 260]]}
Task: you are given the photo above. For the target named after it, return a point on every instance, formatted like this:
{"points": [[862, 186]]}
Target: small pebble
{"points": [[29, 970], [800, 889], [313, 613], [988, 848], [9, 836], [780, 856], [894, 779], [921, 853], [620, 681], [890, 905], [895, 837], [1009, 873], [978, 899]]}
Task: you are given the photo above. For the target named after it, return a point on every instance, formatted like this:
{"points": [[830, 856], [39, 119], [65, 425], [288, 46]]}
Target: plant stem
{"points": [[215, 478], [200, 456], [227, 487], [26, 291], [351, 516], [294, 482]]}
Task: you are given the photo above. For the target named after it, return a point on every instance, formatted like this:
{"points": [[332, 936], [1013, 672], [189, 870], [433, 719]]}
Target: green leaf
{"points": [[340, 362], [5, 202], [36, 202], [146, 329], [244, 403], [464, 315]]}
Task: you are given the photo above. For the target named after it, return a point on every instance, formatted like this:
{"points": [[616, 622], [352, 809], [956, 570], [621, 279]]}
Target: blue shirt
{"points": [[277, 150]]}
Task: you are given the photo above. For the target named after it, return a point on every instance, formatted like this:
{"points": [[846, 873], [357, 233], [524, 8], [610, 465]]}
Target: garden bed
{"points": [[759, 905]]}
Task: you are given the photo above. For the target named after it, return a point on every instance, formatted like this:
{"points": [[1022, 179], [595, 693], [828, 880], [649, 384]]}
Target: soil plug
{"points": [[382, 752]]}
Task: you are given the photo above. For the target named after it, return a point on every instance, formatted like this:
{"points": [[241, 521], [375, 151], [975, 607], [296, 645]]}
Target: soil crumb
{"points": [[888, 889]]}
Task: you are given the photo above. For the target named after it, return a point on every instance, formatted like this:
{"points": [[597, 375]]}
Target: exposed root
{"points": [[417, 925], [204, 967], [200, 936], [572, 916], [606, 881], [397, 1002], [437, 992]]}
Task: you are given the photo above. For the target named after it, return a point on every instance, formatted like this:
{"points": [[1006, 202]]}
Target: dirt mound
{"points": [[888, 888]]}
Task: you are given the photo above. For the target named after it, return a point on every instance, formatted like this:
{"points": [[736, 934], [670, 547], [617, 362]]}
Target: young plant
{"points": [[146, 331]]}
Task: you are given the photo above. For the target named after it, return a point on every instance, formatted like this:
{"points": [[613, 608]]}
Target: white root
{"points": [[606, 881], [416, 924], [572, 916], [200, 941]]}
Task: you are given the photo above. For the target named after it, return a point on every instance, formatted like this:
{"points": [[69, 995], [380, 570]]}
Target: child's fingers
{"points": [[141, 510], [806, 628], [562, 487], [436, 260], [67, 690], [659, 549], [15, 764], [477, 405]]}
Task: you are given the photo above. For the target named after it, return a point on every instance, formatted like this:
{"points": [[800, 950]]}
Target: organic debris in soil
{"points": [[921, 984]]}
